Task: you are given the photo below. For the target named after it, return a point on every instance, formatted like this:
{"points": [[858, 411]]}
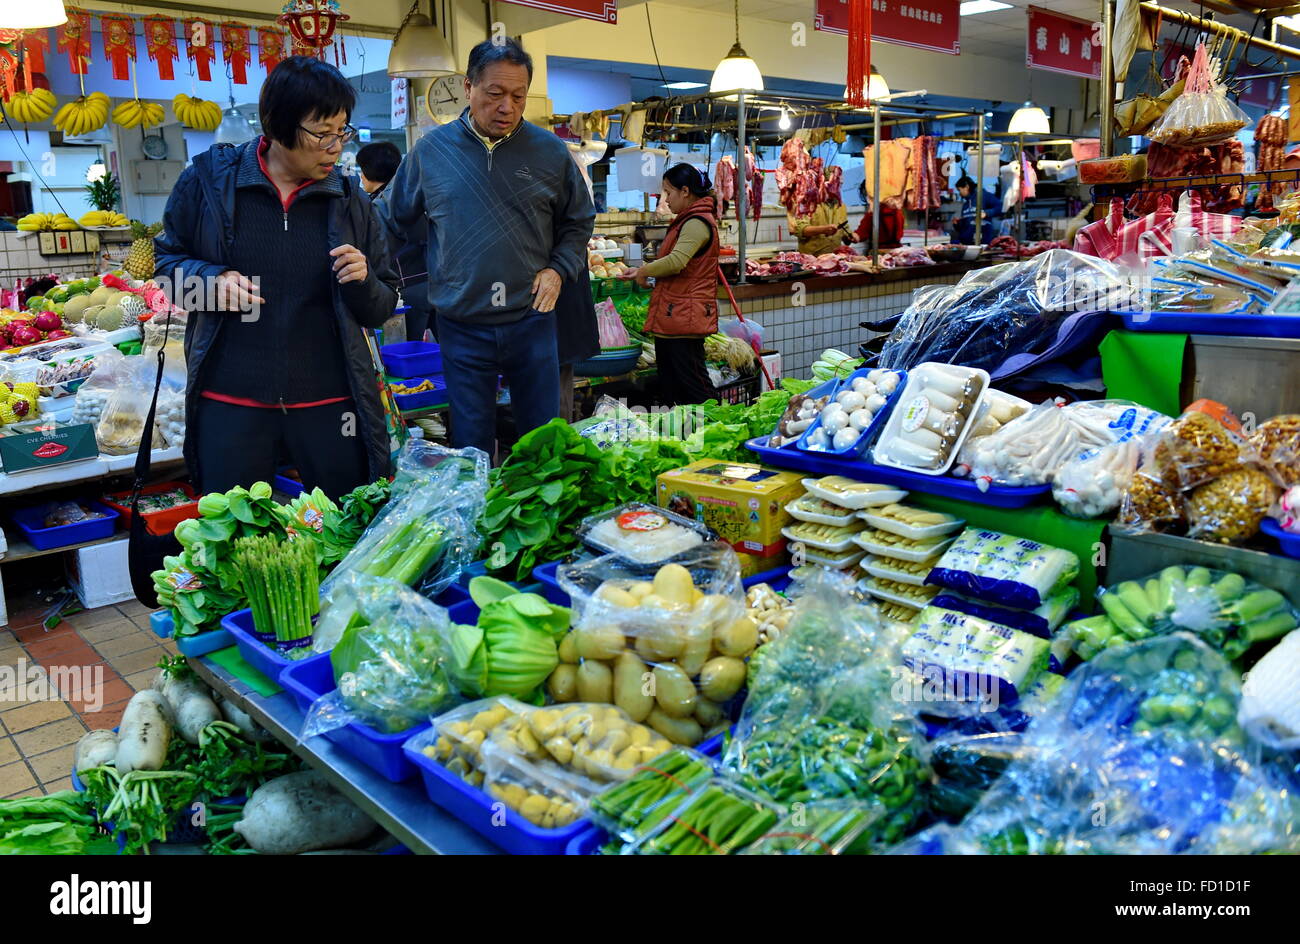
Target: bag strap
{"points": [[144, 455]]}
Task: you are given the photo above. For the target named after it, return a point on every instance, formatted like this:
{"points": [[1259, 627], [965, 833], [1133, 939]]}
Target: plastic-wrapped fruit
{"points": [[1230, 508]]}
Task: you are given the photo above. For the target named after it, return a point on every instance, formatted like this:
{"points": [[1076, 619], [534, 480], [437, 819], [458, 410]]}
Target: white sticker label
{"points": [[915, 414]]}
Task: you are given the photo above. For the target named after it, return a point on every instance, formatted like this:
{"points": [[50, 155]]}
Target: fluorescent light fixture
{"points": [[1029, 119], [684, 85], [971, 7]]}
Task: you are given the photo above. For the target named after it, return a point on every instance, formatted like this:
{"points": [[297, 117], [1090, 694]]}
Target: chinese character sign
{"points": [[1060, 43], [923, 24]]}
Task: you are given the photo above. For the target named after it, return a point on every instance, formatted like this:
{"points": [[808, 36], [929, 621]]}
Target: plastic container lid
{"points": [[916, 552], [799, 513], [833, 561], [844, 542], [642, 533], [895, 526], [872, 586], [856, 499]]}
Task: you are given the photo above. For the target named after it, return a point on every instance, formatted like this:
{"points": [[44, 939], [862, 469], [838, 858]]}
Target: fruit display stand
{"points": [[403, 809]]}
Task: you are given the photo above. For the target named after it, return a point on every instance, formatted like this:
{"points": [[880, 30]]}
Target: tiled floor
{"points": [[56, 685]]}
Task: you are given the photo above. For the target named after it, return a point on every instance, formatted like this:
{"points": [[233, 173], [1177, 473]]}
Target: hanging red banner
{"points": [[605, 11], [270, 47], [35, 42], [8, 72], [118, 31], [1060, 43], [201, 45], [234, 49], [922, 24], [74, 39], [160, 43]]}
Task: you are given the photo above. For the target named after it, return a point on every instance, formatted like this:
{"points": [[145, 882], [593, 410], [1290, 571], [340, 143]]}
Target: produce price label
{"points": [[1060, 43], [606, 11], [921, 24]]}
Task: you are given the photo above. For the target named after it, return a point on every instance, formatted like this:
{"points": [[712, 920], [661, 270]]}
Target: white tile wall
{"points": [[20, 258]]}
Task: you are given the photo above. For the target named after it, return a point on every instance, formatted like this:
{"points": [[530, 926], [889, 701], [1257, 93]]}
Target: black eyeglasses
{"points": [[327, 141]]}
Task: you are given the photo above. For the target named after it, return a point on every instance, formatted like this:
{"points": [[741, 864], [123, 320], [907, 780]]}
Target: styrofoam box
{"points": [[772, 375], [99, 575]]}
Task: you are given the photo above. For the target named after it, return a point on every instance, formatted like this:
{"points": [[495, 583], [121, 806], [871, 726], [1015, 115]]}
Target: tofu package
{"points": [[1004, 569]]}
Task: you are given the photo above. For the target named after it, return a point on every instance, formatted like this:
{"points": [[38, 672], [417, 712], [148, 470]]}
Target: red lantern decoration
{"points": [[201, 45], [312, 24], [858, 79], [74, 39], [118, 32], [160, 42]]}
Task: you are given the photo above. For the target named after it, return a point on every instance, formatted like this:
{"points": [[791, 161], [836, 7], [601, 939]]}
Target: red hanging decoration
{"points": [[74, 39], [160, 43], [35, 42], [235, 51], [201, 45], [270, 47], [119, 42], [858, 80], [8, 69], [311, 24]]}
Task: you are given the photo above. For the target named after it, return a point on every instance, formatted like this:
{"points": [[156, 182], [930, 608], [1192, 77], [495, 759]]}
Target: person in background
{"points": [[279, 366], [684, 303], [891, 224], [377, 163], [509, 218], [963, 226], [822, 230], [578, 336]]}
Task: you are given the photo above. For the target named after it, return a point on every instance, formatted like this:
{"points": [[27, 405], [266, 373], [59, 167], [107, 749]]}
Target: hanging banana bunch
{"points": [[197, 113], [32, 107], [88, 113], [134, 113]]}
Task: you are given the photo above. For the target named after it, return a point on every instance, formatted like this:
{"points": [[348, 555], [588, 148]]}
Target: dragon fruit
{"points": [[26, 333], [58, 335], [48, 321]]}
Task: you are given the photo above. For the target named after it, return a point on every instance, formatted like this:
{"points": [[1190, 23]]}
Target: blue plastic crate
{"points": [[412, 358], [256, 653], [482, 813], [46, 539], [869, 434], [308, 680], [587, 842], [290, 487], [160, 621], [418, 401], [203, 643], [1288, 542]]}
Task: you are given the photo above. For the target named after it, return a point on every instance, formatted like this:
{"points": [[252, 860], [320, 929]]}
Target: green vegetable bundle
{"points": [[281, 580], [717, 820], [304, 517], [829, 828], [60, 823], [344, 524], [514, 646], [1225, 610], [632, 809]]}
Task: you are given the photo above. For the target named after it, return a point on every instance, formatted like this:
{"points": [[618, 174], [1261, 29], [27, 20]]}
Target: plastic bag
{"points": [[827, 827], [157, 334], [1277, 443], [642, 533], [1041, 621], [121, 425], [1004, 318], [1003, 568], [423, 537], [1270, 698], [1129, 759], [390, 665], [683, 624], [633, 809], [613, 422], [823, 720], [1196, 448], [1229, 612], [1094, 482], [1149, 505], [1229, 509], [94, 393], [1203, 114], [609, 325], [718, 818], [751, 332]]}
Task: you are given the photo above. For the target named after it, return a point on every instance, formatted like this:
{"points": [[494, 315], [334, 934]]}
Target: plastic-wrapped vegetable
{"points": [[1194, 449], [717, 819], [1229, 509], [1270, 698], [1041, 621], [1139, 754], [422, 537], [683, 624], [632, 809], [1227, 611], [830, 827], [1003, 568], [391, 667]]}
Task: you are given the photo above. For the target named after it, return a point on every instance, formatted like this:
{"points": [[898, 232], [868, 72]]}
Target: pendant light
{"points": [[33, 14], [737, 72], [420, 51], [877, 87], [1029, 119]]}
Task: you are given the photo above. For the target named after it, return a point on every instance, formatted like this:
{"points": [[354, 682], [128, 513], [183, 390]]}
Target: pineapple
{"points": [[139, 261]]}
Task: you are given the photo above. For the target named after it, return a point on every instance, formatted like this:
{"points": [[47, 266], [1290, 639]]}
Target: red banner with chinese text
{"points": [[201, 45], [270, 47], [160, 44], [606, 11], [118, 34], [1060, 43], [74, 39], [922, 24], [235, 51]]}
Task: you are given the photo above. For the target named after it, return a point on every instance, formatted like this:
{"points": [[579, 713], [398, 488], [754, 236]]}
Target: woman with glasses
{"points": [[282, 265]]}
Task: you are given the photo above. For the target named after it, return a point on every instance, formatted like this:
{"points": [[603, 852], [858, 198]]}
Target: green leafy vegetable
{"points": [[513, 648]]}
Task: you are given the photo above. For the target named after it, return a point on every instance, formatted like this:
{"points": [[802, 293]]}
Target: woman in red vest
{"points": [[684, 303]]}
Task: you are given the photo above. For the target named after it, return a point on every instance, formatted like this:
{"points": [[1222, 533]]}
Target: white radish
{"points": [[95, 749], [301, 812], [191, 706], [240, 719], [144, 733]]}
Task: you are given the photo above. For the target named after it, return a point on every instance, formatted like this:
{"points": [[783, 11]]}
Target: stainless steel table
{"points": [[401, 808]]}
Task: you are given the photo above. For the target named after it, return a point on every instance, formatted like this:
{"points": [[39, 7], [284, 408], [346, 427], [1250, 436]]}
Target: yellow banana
{"points": [[127, 114]]}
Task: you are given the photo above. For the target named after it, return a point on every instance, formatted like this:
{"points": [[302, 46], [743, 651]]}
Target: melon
{"points": [[110, 319], [100, 295], [75, 307]]}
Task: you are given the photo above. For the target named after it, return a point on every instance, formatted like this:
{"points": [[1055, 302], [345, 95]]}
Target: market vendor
{"points": [[891, 224], [963, 225], [291, 251], [823, 230], [509, 218], [684, 303]]}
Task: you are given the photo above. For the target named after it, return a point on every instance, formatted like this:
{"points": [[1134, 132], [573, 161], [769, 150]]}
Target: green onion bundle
{"points": [[282, 584]]}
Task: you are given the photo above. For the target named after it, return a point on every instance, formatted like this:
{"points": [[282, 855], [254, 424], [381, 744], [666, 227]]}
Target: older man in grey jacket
{"points": [[509, 217]]}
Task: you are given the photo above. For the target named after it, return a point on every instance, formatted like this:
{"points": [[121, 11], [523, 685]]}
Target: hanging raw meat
{"points": [[753, 186], [834, 183], [922, 191], [812, 187], [1271, 136], [791, 174], [724, 179], [1204, 161]]}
